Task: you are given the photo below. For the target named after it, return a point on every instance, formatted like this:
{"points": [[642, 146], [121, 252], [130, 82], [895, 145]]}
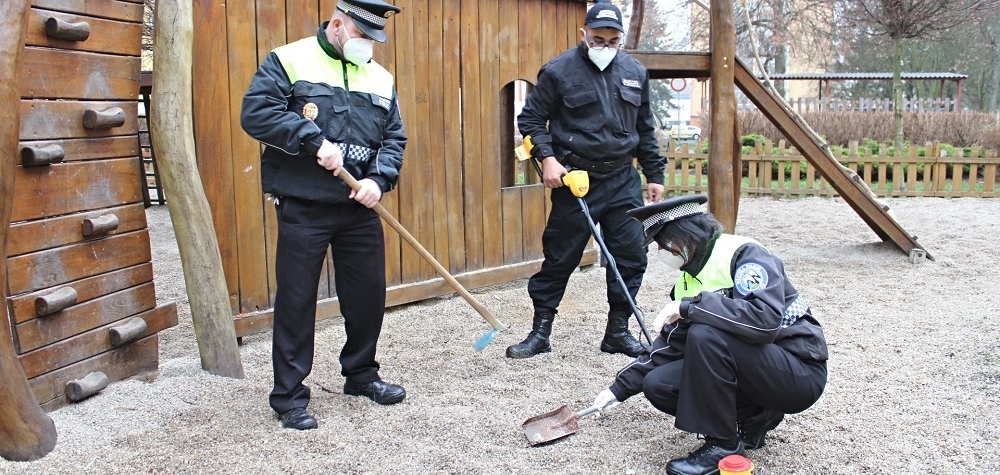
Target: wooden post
{"points": [[737, 170], [26, 432], [722, 106], [172, 133]]}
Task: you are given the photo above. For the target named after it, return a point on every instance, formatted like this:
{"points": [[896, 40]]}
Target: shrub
{"points": [[751, 140], [841, 127]]}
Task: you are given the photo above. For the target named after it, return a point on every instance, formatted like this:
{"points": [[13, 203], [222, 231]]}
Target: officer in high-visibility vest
{"points": [[321, 106], [738, 347]]}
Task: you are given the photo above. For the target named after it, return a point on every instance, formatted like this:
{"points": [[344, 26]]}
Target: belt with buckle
{"points": [[595, 166]]}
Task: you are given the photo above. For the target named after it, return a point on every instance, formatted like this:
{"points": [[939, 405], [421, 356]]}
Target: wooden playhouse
{"points": [[456, 64]]}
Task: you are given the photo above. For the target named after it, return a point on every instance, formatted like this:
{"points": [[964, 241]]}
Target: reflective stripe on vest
{"points": [[718, 270], [305, 60]]}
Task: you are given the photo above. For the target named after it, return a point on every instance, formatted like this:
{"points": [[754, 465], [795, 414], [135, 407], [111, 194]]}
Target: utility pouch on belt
{"points": [[594, 166]]}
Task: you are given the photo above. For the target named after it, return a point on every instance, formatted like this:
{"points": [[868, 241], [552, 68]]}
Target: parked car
{"points": [[684, 132]]}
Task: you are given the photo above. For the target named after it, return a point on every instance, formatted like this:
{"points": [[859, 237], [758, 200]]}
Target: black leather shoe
{"points": [[297, 419], [754, 428], [705, 460], [378, 391]]}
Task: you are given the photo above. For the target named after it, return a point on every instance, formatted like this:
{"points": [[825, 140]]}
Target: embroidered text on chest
{"points": [[630, 82]]}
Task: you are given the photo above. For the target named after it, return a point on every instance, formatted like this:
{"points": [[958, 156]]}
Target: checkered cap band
{"points": [[361, 12], [796, 310], [355, 153], [671, 214]]}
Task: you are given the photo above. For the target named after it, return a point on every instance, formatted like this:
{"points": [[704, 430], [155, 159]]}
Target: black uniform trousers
{"points": [[567, 232], [353, 233], [722, 379]]}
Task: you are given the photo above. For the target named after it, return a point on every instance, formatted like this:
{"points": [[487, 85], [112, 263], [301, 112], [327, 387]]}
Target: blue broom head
{"points": [[485, 339]]}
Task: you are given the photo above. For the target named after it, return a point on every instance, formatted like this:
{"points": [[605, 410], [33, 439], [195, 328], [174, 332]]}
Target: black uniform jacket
{"points": [[598, 115], [755, 318], [369, 129]]}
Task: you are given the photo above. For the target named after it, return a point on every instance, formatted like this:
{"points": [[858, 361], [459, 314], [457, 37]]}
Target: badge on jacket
{"points": [[630, 83], [310, 111], [750, 277]]}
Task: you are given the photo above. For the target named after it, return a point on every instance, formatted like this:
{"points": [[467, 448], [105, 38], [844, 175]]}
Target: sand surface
{"points": [[914, 383]]}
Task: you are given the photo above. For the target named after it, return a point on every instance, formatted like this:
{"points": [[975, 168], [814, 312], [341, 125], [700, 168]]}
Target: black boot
{"points": [[537, 340], [617, 338]]}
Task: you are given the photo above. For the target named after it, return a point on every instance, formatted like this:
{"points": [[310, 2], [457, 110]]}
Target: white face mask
{"points": [[358, 50], [669, 259], [601, 57]]}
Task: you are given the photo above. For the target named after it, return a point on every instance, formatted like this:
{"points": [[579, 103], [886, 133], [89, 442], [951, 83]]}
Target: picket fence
{"points": [[810, 104], [781, 171]]}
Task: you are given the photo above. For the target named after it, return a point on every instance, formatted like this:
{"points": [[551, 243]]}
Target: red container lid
{"points": [[735, 463]]}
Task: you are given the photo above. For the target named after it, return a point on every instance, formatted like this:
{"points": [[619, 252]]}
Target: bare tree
{"points": [[991, 31], [902, 20], [784, 29], [149, 9]]}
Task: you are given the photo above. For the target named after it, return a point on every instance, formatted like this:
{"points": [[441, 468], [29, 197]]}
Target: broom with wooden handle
{"points": [[384, 213]]}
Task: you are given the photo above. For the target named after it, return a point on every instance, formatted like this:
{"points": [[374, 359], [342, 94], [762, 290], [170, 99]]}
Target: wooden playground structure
{"points": [[71, 213]]}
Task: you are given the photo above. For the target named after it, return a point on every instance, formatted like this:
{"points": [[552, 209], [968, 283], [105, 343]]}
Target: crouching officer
{"points": [[322, 107], [590, 111], [738, 347]]}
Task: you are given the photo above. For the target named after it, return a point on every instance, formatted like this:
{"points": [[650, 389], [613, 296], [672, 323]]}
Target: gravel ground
{"points": [[914, 368]]}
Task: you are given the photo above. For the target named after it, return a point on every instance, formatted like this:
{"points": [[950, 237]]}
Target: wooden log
{"points": [[55, 301], [69, 31], [87, 344], [49, 120], [100, 225], [138, 360], [722, 102], [127, 332], [173, 139], [42, 155], [90, 148], [26, 432], [80, 389], [108, 310], [107, 35], [103, 119]]}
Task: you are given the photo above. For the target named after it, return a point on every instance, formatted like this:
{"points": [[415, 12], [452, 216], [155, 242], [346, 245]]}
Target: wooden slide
{"points": [[847, 183]]}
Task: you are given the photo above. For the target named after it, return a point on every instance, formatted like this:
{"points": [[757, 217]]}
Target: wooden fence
{"points": [[780, 171], [809, 104]]}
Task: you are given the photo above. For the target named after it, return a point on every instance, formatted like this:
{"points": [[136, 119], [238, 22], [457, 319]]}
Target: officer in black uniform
{"points": [[590, 111], [322, 107], [738, 347]]}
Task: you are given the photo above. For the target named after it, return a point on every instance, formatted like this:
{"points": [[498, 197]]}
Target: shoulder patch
{"points": [[630, 83], [750, 277]]}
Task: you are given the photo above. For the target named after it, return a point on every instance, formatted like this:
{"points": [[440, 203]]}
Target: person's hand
{"points": [[654, 192], [552, 172], [605, 400], [328, 156], [670, 314], [368, 194]]}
